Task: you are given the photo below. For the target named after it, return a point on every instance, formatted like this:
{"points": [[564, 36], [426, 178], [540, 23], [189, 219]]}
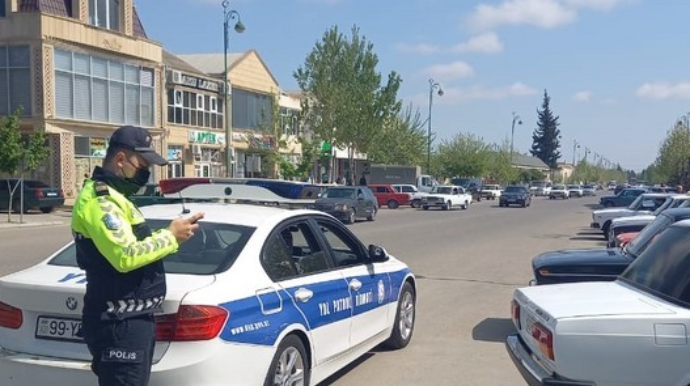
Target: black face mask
{"points": [[133, 184]]}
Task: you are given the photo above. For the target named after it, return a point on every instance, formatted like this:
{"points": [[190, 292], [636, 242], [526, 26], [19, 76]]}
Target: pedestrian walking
{"points": [[363, 180], [122, 260]]}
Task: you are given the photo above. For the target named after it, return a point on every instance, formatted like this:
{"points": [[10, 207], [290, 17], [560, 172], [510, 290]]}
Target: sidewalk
{"points": [[59, 216]]}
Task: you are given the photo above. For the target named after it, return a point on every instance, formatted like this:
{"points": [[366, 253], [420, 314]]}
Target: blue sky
{"points": [[617, 71]]}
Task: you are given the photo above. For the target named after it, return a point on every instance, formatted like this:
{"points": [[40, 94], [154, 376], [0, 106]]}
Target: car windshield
{"points": [[514, 189], [666, 205], [638, 244], [573, 186], [492, 187], [558, 187], [442, 190], [213, 249], [664, 267], [339, 193], [539, 184], [635, 204], [590, 187]]}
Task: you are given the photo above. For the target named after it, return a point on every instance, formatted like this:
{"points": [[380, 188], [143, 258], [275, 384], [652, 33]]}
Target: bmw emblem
{"points": [[71, 303]]}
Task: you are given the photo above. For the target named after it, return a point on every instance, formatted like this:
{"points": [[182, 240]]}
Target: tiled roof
{"points": [[211, 63], [174, 62], [55, 7], [526, 161], [138, 28]]}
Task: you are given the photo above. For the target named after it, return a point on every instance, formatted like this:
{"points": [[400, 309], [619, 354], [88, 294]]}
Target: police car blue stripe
{"points": [[261, 319]]}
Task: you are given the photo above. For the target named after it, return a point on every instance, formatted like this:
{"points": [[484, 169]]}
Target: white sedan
{"points": [[632, 331], [259, 296]]}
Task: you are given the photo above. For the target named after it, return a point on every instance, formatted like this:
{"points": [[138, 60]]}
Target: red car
{"points": [[386, 195]]}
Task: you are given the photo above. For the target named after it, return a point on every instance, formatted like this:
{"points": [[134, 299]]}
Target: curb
{"points": [[9, 225]]}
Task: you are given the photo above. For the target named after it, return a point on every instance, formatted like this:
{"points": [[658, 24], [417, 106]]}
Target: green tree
{"points": [[672, 161], [466, 155], [500, 169], [345, 101], [402, 140], [545, 140], [19, 154]]}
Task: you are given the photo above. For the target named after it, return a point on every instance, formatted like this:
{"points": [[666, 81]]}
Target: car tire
{"points": [[425, 207], [351, 216], [465, 206], [416, 203], [605, 228], [404, 323], [392, 204], [448, 205], [291, 361], [46, 209], [372, 215], [608, 204]]}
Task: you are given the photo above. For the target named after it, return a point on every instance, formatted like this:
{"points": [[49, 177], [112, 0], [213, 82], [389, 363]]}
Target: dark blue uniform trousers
{"points": [[122, 350]]}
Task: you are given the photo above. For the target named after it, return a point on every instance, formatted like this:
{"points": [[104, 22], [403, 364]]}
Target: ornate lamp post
{"points": [[433, 86], [228, 14], [516, 118]]}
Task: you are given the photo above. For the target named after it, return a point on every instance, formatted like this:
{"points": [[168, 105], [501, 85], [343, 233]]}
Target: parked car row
{"points": [[588, 313], [36, 195]]}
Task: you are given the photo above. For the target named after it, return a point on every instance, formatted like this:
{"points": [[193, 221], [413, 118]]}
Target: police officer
{"points": [[122, 260]]}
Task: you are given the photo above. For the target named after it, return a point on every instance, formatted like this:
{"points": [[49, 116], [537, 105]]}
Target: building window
{"points": [[193, 109], [289, 121], [15, 80], [105, 13], [90, 88], [250, 110]]}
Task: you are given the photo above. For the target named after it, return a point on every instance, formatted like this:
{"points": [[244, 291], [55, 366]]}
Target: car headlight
{"points": [[341, 207]]}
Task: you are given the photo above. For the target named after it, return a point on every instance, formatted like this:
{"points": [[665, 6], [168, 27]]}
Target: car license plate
{"points": [[511, 200], [51, 194], [58, 328]]}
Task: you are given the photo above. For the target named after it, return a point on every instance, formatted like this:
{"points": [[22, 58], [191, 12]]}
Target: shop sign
{"points": [[174, 153], [97, 147], [193, 81], [206, 137]]}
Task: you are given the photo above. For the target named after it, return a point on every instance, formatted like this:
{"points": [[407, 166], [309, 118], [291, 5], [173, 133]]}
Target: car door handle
{"points": [[303, 295], [355, 284]]}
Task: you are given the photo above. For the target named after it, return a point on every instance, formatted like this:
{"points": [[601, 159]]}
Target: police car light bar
{"points": [[204, 189]]}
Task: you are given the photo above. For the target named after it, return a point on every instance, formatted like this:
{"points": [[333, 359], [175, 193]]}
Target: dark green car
{"points": [[151, 194]]}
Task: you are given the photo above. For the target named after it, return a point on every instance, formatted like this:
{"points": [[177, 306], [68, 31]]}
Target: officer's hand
{"points": [[183, 228]]}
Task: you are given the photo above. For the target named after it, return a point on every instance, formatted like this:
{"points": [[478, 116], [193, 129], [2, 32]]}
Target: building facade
{"points": [[78, 69]]}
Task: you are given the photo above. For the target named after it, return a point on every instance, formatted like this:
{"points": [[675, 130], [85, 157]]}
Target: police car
{"points": [[260, 295]]}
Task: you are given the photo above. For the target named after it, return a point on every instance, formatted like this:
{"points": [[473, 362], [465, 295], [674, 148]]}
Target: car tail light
{"points": [[544, 339], [191, 323], [10, 317], [515, 313], [38, 193]]}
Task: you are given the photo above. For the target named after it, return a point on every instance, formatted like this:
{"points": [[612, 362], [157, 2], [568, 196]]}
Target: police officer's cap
{"points": [[137, 139]]}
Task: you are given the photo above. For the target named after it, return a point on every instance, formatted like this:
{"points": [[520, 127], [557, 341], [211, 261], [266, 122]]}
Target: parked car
{"points": [[631, 331], [386, 195], [472, 185], [276, 293], [447, 197], [416, 196], [644, 204], [637, 222], [515, 195], [559, 191], [491, 192], [540, 188], [151, 194], [589, 190], [348, 203], [623, 198], [576, 265], [37, 195], [575, 191]]}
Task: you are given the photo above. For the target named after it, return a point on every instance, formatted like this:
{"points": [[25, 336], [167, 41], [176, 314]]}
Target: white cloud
{"points": [[583, 96], [485, 43], [538, 13], [517, 89], [445, 72], [664, 90], [422, 48]]}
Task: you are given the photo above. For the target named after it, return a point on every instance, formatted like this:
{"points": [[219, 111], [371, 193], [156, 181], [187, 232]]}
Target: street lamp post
{"points": [[432, 86], [228, 14], [516, 118], [575, 147]]}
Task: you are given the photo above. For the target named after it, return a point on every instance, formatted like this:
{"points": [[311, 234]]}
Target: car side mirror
{"points": [[377, 254]]}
